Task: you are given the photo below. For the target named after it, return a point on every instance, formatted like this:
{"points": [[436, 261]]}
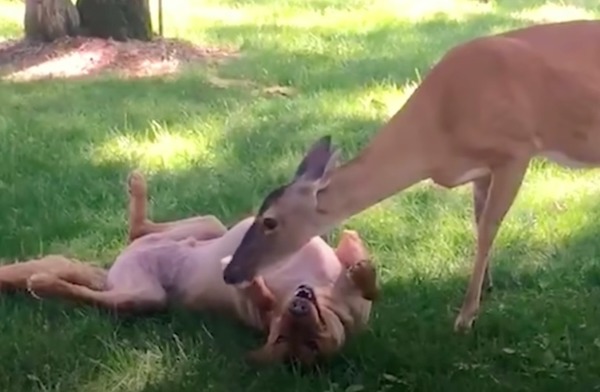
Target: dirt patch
{"points": [[84, 56]]}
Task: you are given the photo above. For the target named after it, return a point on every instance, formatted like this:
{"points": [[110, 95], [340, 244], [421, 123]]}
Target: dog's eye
{"points": [[270, 223], [312, 345]]}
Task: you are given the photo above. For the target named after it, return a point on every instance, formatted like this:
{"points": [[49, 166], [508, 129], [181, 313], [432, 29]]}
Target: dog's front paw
{"points": [[364, 276]]}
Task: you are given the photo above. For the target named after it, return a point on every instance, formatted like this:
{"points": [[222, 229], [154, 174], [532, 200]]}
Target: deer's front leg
{"points": [[505, 184]]}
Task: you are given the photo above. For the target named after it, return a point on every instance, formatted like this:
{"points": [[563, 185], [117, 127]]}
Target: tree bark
{"points": [[47, 20], [117, 19]]}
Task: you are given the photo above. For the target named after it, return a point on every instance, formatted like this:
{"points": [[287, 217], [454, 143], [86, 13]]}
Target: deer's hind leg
{"points": [[506, 181], [481, 188]]}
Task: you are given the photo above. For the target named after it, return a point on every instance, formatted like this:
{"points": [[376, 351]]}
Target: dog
{"points": [[307, 305]]}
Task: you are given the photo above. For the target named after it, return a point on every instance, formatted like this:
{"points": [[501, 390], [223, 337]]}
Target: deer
{"points": [[480, 115]]}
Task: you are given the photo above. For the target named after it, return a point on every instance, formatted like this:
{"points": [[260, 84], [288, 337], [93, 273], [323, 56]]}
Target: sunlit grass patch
{"points": [[554, 12], [158, 148], [11, 18], [130, 370]]}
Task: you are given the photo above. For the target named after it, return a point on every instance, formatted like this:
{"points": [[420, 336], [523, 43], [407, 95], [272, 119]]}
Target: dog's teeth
{"points": [[304, 293]]}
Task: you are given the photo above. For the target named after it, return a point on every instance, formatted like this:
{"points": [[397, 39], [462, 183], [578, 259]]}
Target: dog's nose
{"points": [[299, 307]]}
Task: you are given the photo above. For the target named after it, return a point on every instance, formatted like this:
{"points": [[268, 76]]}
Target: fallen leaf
{"points": [[226, 83], [392, 378], [285, 91], [355, 388]]}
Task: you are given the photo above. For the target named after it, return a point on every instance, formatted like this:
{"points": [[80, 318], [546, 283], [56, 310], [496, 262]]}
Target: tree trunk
{"points": [[47, 20], [117, 19]]}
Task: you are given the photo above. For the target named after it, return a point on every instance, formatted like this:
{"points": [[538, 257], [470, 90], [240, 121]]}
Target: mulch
{"points": [[85, 56]]}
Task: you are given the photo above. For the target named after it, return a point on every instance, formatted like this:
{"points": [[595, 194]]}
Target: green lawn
{"points": [[66, 147]]}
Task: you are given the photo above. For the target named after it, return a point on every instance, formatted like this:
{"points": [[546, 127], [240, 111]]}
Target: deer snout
{"points": [[234, 275]]}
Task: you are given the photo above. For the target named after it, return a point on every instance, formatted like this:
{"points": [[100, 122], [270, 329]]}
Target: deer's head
{"points": [[288, 217]]}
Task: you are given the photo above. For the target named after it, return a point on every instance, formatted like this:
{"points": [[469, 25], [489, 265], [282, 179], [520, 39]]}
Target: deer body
{"points": [[480, 115]]}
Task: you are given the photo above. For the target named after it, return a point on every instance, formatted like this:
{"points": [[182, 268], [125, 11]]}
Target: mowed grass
{"points": [[67, 146]]}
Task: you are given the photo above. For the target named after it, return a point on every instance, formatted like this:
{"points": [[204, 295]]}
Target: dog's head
{"points": [[303, 329]]}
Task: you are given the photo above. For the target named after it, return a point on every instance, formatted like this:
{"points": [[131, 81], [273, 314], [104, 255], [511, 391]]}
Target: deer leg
{"points": [[480, 193], [505, 184], [200, 227]]}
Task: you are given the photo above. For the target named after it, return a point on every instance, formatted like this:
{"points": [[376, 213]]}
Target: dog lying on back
{"points": [[308, 304]]}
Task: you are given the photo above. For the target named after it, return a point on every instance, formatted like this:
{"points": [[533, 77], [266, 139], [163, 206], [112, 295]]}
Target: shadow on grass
{"points": [[396, 52], [53, 184]]}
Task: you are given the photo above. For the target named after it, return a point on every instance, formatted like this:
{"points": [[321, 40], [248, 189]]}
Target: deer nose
{"points": [[232, 275], [299, 307]]}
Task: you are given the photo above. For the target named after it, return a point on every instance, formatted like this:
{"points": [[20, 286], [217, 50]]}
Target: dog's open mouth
{"points": [[303, 291], [304, 299]]}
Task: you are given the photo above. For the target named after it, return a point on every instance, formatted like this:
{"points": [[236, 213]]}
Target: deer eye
{"points": [[270, 223]]}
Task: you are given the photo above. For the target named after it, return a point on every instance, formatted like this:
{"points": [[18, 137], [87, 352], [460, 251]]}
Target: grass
{"points": [[66, 147]]}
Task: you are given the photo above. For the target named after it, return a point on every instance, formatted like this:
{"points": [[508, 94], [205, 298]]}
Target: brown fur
{"points": [[480, 115]]}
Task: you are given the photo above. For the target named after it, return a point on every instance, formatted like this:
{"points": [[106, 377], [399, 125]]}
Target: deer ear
{"points": [[318, 163]]}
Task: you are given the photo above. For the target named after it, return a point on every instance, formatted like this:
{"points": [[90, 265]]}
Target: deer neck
{"points": [[394, 160]]}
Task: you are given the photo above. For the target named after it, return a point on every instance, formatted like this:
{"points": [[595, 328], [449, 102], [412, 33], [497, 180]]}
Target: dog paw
{"points": [[364, 276], [362, 270], [41, 284], [98, 279], [136, 184]]}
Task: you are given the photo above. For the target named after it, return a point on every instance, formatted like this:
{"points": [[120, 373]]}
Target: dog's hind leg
{"points": [[199, 227], [14, 276], [141, 300]]}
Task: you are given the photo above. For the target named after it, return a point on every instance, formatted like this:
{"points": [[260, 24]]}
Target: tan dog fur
{"points": [[182, 262]]}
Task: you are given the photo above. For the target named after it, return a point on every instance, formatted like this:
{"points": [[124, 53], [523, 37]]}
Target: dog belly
{"points": [[148, 264]]}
